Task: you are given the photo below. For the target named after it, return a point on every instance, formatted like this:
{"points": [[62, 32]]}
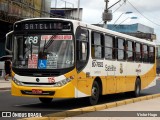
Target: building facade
{"points": [[14, 10], [68, 13], [137, 30]]}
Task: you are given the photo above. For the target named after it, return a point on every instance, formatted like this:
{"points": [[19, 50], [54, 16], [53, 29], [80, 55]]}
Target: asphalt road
{"points": [[19, 104]]}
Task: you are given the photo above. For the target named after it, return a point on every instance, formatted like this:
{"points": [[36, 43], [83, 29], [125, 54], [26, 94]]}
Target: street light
{"points": [[124, 21], [121, 15], [127, 19]]}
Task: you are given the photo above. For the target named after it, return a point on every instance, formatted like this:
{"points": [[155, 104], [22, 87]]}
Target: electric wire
{"points": [[142, 14], [119, 7]]}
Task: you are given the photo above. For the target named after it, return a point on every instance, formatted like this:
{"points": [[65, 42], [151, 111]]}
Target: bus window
{"points": [[138, 52], [121, 49], [97, 45], [129, 51], [151, 54], [109, 47], [145, 53]]}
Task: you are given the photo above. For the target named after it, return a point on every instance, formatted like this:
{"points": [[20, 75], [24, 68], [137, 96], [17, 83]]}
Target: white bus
{"points": [[62, 58]]}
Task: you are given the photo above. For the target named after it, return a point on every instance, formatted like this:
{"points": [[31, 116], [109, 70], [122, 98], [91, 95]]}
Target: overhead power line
{"points": [[119, 7], [142, 14]]}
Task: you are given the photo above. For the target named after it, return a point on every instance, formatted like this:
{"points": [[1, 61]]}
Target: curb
{"points": [[6, 88], [75, 112]]}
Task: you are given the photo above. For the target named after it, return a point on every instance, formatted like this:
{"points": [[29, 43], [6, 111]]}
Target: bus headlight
{"points": [[17, 81], [62, 82]]}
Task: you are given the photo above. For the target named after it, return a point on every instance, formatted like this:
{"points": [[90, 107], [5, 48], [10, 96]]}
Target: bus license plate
{"points": [[36, 91]]}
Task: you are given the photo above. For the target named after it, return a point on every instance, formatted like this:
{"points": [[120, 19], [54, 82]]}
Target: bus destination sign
{"points": [[43, 26]]}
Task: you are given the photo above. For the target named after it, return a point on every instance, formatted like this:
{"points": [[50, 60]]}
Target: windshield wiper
{"points": [[50, 41], [44, 46]]}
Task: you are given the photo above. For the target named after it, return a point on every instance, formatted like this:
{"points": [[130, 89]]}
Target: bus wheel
{"points": [[45, 100], [93, 99], [137, 90]]}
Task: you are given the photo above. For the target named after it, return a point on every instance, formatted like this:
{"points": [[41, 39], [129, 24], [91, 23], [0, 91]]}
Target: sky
{"points": [[146, 11]]}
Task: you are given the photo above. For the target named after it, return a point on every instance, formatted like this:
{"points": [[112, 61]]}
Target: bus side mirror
{"points": [[8, 42]]}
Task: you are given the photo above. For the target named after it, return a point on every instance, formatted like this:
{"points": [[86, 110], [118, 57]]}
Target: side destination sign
{"points": [[57, 37]]}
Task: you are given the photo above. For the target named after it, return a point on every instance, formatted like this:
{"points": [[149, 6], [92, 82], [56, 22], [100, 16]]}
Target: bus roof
{"points": [[96, 28]]}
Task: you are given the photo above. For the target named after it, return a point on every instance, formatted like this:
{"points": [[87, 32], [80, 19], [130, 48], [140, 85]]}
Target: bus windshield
{"points": [[43, 51]]}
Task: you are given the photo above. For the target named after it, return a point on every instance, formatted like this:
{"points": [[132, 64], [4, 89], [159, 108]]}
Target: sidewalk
{"points": [[5, 85], [140, 110]]}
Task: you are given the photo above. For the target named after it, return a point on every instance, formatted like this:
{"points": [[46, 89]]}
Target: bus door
{"points": [[130, 72], [110, 67], [121, 77], [82, 53], [121, 65]]}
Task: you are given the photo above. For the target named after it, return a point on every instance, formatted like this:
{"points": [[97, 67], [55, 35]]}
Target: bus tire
{"points": [[136, 91], [45, 100], [95, 93]]}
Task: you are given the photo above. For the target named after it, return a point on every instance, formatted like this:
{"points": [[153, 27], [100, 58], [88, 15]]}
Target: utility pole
{"points": [[78, 9], [106, 10], [107, 15], [55, 4]]}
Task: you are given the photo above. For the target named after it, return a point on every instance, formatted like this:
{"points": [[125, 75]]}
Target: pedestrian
{"points": [[7, 67]]}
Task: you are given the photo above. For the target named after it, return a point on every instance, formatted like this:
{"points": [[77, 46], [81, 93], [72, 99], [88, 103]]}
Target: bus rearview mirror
{"points": [[8, 42]]}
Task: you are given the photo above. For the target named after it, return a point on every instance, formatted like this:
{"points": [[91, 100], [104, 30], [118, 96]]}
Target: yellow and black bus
{"points": [[62, 58]]}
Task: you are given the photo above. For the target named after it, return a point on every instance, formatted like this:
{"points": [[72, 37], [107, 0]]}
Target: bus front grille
{"points": [[30, 84]]}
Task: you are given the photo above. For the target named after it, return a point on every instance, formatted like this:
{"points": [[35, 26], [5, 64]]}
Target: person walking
{"points": [[7, 67]]}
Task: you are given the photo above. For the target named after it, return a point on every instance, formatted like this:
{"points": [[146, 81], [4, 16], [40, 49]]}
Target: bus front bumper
{"points": [[66, 91]]}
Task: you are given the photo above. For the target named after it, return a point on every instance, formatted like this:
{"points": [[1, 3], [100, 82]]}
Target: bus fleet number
{"points": [[33, 39]]}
